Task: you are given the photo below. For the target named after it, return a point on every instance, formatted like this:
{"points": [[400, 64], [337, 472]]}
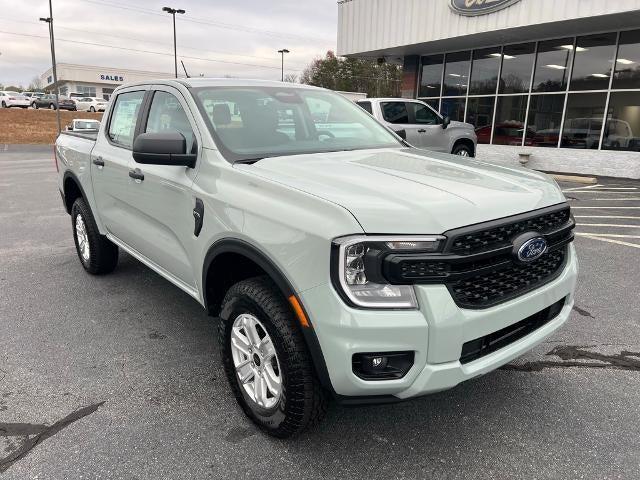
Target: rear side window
{"points": [[166, 114], [123, 119], [365, 106], [395, 112]]}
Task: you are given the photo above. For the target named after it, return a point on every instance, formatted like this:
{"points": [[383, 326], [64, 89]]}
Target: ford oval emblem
{"points": [[532, 249], [479, 7]]}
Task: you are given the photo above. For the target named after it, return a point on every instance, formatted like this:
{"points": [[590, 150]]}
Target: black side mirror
{"points": [[446, 121], [163, 148], [401, 133]]}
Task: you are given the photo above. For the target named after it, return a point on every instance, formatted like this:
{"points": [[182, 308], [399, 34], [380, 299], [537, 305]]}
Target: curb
{"points": [[574, 179]]}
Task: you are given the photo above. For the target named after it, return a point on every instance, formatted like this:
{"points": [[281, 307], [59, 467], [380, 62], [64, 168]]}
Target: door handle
{"points": [[422, 130], [99, 162], [137, 175]]}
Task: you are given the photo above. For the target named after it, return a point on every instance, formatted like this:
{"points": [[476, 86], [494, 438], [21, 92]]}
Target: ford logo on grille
{"points": [[531, 249]]}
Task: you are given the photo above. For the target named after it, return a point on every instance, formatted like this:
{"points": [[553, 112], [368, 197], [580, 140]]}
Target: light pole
{"points": [[282, 52], [49, 20], [173, 12]]}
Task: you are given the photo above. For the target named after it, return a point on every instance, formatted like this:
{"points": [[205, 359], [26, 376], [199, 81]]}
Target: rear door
{"points": [[163, 228], [111, 160], [396, 116]]}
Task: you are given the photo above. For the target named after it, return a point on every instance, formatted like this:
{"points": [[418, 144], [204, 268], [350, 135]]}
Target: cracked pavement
{"points": [[118, 377]]}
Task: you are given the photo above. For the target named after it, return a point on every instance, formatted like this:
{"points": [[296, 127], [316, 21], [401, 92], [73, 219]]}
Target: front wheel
{"points": [[4, 104], [266, 360], [96, 253], [463, 150], [52, 106], [92, 110]]}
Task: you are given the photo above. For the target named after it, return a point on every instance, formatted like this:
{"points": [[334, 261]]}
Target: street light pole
{"points": [[173, 12], [282, 52], [49, 20]]}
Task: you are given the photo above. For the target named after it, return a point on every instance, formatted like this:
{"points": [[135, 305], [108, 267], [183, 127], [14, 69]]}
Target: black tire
{"points": [[35, 105], [462, 149], [4, 105], [52, 106], [303, 402], [91, 109], [103, 255]]}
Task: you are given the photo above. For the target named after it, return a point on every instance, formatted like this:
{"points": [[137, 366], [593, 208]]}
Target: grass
{"points": [[28, 126]]}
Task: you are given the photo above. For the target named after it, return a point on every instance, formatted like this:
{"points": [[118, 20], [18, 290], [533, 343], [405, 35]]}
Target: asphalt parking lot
{"points": [[118, 376]]}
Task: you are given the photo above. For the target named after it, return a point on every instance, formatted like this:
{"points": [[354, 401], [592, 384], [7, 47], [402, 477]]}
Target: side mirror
{"points": [[163, 148], [446, 121], [401, 133]]}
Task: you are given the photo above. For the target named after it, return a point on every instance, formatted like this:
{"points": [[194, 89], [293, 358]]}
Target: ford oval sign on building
{"points": [[479, 7]]}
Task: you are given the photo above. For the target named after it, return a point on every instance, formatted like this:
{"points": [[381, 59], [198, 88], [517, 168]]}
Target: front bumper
{"points": [[435, 332]]}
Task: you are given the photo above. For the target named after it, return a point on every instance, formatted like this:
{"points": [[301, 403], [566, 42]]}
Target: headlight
{"points": [[356, 269]]}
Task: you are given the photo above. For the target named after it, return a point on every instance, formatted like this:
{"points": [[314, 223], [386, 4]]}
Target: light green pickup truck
{"points": [[340, 262]]}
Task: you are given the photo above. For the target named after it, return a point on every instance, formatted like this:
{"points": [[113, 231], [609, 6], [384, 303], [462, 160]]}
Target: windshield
{"points": [[250, 123]]}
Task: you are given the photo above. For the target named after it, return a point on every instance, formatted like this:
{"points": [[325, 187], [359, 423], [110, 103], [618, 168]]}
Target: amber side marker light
{"points": [[302, 318]]}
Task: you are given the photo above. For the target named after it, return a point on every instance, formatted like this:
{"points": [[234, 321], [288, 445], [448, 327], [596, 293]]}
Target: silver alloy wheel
{"points": [[463, 153], [256, 361], [83, 239]]}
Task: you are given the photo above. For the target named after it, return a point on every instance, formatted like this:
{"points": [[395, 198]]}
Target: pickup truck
{"points": [[421, 126], [338, 261]]}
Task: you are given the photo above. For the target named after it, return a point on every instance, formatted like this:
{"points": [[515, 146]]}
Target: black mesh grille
{"points": [[489, 239], [499, 284]]}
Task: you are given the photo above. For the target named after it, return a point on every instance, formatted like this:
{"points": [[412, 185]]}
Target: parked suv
{"points": [[339, 261], [422, 126], [49, 101]]}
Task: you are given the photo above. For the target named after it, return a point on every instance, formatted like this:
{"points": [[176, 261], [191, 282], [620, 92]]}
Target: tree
{"points": [[35, 85], [291, 78], [376, 79]]}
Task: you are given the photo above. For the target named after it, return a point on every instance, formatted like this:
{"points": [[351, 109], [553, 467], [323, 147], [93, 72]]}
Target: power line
{"points": [[152, 42], [152, 52], [229, 26]]}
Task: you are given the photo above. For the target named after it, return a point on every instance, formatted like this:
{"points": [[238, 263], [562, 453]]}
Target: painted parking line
{"points": [[608, 240], [606, 225], [619, 217]]}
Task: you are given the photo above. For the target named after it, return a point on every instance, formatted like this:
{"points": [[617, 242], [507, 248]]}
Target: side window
{"points": [[366, 106], [424, 114], [167, 114], [123, 119], [395, 112]]}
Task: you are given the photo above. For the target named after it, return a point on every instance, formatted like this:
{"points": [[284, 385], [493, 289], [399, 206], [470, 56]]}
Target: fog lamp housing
{"points": [[382, 365]]}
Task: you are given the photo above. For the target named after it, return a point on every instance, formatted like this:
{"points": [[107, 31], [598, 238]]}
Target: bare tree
{"points": [[291, 78], [35, 85]]}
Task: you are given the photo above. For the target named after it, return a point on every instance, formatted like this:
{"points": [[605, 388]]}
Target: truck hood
{"points": [[411, 191]]}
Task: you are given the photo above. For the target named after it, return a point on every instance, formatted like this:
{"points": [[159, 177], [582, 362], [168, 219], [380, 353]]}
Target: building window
{"points": [[622, 131], [509, 125], [552, 65], [480, 115], [106, 93], [583, 120], [86, 90], [484, 71], [592, 62], [545, 116], [517, 63], [627, 72], [431, 78], [456, 73], [49, 79], [64, 90], [453, 108]]}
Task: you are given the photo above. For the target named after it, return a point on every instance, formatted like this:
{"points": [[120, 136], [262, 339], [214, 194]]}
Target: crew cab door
{"points": [[163, 229], [427, 125], [111, 160]]}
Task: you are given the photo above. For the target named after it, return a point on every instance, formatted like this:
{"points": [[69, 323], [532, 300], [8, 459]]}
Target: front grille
{"points": [[501, 235], [478, 264], [479, 347], [508, 281]]}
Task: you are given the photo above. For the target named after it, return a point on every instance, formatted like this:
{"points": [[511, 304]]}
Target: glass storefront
{"points": [[551, 93]]}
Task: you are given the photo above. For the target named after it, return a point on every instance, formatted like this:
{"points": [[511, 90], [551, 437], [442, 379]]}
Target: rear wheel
{"points": [[92, 110], [4, 104], [52, 106], [266, 360], [96, 253], [463, 150]]}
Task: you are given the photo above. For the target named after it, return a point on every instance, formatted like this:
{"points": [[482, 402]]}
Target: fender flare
{"points": [[241, 247]]}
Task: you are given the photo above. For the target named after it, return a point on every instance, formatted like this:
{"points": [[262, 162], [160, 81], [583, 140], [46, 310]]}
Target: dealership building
{"points": [[552, 83], [94, 81]]}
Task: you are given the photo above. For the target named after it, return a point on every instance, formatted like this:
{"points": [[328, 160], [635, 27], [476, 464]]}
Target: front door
{"points": [[426, 128], [163, 230]]}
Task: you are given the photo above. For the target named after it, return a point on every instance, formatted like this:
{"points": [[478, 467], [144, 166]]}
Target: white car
{"points": [[91, 104], [13, 99]]}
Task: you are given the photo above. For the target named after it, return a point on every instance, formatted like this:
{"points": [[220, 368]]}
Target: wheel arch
{"points": [[465, 141], [249, 261], [72, 189]]}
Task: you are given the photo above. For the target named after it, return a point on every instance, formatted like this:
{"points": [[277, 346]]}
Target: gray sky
{"points": [[242, 31]]}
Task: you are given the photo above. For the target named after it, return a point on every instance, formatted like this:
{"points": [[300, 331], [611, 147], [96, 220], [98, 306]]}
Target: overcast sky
{"points": [[245, 34]]}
